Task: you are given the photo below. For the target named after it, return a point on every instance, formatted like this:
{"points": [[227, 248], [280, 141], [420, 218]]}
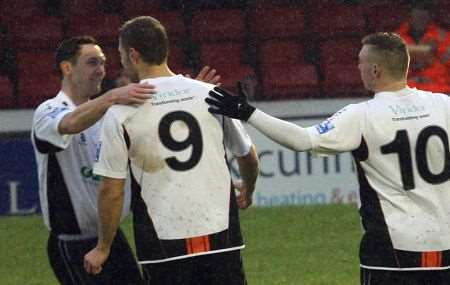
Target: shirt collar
{"points": [[65, 99], [402, 92]]}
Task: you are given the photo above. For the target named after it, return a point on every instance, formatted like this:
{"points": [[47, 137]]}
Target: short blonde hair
{"points": [[390, 51]]}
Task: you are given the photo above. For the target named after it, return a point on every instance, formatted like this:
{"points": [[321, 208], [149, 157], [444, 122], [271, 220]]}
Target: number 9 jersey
{"points": [[400, 145], [182, 201]]}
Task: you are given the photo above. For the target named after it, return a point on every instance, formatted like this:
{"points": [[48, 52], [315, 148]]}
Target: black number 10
{"points": [[193, 139], [401, 146]]}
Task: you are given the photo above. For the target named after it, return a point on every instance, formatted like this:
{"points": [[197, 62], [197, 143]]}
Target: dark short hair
{"points": [[69, 50], [147, 36], [391, 52]]}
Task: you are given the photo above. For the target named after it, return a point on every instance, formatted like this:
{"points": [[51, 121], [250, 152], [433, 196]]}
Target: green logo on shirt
{"points": [[87, 173]]}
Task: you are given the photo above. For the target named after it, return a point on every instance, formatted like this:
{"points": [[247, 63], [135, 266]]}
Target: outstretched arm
{"points": [[285, 133]]}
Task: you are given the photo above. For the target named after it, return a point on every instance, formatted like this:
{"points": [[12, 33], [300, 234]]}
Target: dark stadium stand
{"points": [[294, 48]]}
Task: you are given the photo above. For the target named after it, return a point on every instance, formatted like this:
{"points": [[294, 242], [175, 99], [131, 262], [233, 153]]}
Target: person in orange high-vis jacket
{"points": [[425, 41]]}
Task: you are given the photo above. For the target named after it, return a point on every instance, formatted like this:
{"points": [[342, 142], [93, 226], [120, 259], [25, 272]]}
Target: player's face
{"points": [[88, 72], [127, 65], [366, 68]]}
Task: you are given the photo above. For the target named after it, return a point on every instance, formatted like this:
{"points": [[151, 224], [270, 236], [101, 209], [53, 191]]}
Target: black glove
{"points": [[225, 103]]}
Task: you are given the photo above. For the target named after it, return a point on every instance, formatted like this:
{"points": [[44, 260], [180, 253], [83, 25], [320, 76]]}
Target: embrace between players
{"points": [[159, 146]]}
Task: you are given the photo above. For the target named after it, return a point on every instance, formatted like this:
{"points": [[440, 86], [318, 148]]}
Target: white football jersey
{"points": [[400, 144], [176, 152], [67, 184]]}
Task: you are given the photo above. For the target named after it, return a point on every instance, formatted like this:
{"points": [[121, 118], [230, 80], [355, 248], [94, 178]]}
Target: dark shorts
{"points": [[419, 277], [66, 259], [218, 269]]}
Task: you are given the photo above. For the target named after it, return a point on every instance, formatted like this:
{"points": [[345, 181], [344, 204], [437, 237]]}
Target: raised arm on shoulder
{"points": [[87, 114]]}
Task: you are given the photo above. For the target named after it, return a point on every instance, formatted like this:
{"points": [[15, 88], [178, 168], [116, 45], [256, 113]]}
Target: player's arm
{"points": [[110, 204], [248, 169], [285, 133], [90, 112]]}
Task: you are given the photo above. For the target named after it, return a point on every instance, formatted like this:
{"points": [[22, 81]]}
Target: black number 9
{"points": [[193, 139]]}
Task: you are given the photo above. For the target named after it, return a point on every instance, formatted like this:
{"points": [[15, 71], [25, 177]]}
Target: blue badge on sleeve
{"points": [[324, 127]]}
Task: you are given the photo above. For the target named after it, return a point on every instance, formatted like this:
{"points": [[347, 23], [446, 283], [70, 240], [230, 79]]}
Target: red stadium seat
{"points": [[34, 90], [86, 10], [339, 51], [385, 17], [275, 52], [331, 20], [277, 22], [14, 11], [231, 67], [103, 27], [217, 54], [171, 20], [218, 25], [177, 60], [6, 93], [37, 32], [33, 63], [343, 80], [294, 80], [133, 8]]}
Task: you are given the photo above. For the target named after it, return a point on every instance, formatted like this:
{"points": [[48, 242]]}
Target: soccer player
{"points": [[186, 213], [64, 135], [399, 141]]}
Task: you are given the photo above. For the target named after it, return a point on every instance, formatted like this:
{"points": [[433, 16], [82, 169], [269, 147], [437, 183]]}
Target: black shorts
{"points": [[66, 259], [219, 269], [417, 277]]}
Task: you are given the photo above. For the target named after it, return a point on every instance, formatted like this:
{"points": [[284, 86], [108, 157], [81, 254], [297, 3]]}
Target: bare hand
{"points": [[207, 75], [244, 198], [94, 260], [133, 93]]}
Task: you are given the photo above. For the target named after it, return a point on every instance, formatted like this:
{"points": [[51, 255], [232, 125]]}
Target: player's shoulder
{"points": [[122, 112], [51, 106], [195, 83]]}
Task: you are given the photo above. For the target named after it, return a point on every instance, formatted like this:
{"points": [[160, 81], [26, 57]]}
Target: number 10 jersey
{"points": [[401, 149], [182, 202]]}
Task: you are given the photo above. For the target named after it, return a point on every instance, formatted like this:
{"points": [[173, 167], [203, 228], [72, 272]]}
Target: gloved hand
{"points": [[225, 103]]}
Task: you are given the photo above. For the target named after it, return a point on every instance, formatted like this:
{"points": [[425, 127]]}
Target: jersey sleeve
{"points": [[112, 151], [45, 124], [339, 133], [236, 137]]}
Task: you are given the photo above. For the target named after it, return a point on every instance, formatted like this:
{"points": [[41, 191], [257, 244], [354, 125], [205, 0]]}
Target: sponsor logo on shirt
{"points": [[56, 111], [324, 127], [83, 140], [97, 151], [87, 173]]}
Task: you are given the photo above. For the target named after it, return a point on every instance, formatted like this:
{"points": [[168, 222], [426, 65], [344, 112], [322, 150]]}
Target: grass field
{"points": [[289, 245]]}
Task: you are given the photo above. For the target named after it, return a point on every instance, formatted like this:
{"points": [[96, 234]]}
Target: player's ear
{"points": [[133, 55], [66, 67], [376, 70]]}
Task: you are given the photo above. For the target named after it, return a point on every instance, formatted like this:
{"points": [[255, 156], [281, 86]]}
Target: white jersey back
{"points": [[67, 185], [400, 143], [176, 150]]}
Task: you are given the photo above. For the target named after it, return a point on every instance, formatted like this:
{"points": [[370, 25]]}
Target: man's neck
{"points": [[73, 93], [153, 71]]}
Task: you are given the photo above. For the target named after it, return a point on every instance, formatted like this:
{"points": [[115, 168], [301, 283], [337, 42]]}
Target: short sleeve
{"points": [[112, 151], [236, 137], [339, 133], [46, 120]]}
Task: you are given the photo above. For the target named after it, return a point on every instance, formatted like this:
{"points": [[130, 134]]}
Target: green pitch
{"points": [[290, 245]]}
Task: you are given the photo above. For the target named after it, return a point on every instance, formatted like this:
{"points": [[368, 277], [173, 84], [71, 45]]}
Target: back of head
{"points": [[69, 50], [389, 50], [147, 36]]}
